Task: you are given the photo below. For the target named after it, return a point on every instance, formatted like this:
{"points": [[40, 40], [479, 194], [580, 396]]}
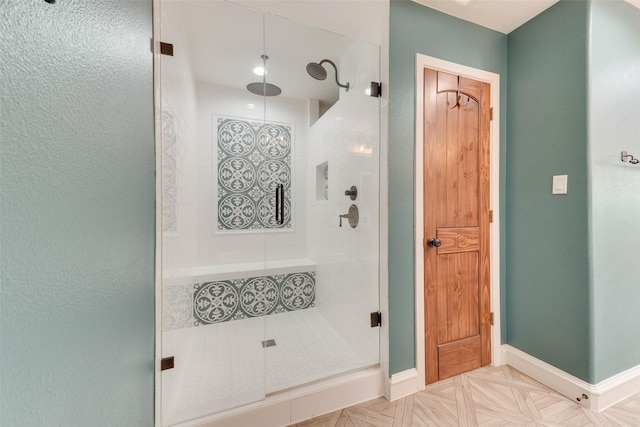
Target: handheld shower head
{"points": [[318, 72]]}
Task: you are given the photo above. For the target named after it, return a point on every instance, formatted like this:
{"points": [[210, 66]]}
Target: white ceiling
{"points": [[225, 38], [499, 15], [636, 3], [226, 41]]}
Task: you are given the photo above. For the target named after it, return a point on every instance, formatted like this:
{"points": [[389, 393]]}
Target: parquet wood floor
{"points": [[486, 397]]}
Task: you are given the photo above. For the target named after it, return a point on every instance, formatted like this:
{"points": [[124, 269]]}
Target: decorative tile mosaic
{"points": [[177, 311], [253, 158], [169, 184], [215, 302]]}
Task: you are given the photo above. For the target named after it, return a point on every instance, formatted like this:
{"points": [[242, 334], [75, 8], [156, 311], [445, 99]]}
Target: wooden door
{"points": [[456, 215]]}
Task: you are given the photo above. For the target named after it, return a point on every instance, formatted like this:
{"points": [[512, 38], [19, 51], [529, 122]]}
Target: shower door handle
{"points": [[280, 204]]}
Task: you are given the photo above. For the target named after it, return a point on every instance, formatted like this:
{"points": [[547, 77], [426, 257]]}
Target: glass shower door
{"points": [[213, 247], [325, 134], [263, 289]]}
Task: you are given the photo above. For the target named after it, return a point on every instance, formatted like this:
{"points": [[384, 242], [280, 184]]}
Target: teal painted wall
{"points": [[418, 29], [547, 282], [614, 109], [76, 214]]}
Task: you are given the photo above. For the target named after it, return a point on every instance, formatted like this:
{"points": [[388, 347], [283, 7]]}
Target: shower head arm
{"points": [[336, 70]]}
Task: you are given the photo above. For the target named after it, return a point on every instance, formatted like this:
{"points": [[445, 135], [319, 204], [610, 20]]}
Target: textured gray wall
{"points": [[77, 214]]}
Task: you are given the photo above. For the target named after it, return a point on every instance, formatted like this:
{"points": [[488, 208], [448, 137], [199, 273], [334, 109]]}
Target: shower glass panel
{"points": [[262, 289], [210, 247], [327, 275]]}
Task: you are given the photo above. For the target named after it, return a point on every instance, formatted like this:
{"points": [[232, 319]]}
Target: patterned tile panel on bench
{"points": [[224, 300], [177, 307], [253, 158]]}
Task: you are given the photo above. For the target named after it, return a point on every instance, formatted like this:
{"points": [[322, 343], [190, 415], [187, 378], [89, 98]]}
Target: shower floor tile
{"points": [[225, 365]]}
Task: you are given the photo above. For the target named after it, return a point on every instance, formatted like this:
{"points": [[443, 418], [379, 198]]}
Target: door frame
{"points": [[424, 61]]}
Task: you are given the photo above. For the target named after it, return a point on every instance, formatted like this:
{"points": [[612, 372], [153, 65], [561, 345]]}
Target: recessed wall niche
{"points": [[322, 181]]}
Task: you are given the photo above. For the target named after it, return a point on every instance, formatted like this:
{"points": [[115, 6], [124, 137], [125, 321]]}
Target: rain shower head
{"points": [[318, 72], [263, 88]]}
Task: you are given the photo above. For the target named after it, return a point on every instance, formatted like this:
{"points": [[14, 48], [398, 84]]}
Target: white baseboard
{"points": [[599, 396], [616, 388], [303, 403], [402, 384]]}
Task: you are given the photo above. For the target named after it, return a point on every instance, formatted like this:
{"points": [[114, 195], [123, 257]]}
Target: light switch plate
{"points": [[559, 184]]}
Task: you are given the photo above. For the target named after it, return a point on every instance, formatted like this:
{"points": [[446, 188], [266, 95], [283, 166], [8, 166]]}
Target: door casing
{"points": [[424, 61]]}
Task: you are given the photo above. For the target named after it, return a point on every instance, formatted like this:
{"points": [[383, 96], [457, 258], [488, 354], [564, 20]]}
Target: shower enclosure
{"points": [[269, 281]]}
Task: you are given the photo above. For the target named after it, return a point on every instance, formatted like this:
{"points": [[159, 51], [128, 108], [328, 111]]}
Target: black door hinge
{"points": [[166, 363], [376, 89], [376, 319], [166, 49]]}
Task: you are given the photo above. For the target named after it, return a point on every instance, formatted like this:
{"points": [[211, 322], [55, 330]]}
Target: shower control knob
{"points": [[352, 192], [353, 216], [434, 242]]}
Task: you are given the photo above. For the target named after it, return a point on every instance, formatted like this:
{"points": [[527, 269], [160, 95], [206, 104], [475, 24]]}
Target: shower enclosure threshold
{"points": [[216, 371], [320, 381], [301, 403]]}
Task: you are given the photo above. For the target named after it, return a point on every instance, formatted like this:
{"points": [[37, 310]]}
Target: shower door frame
{"points": [[157, 109]]}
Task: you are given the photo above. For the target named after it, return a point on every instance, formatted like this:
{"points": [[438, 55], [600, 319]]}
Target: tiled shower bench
{"points": [[209, 295]]}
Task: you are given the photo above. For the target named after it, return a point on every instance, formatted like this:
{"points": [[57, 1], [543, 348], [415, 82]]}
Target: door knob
{"points": [[434, 242]]}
